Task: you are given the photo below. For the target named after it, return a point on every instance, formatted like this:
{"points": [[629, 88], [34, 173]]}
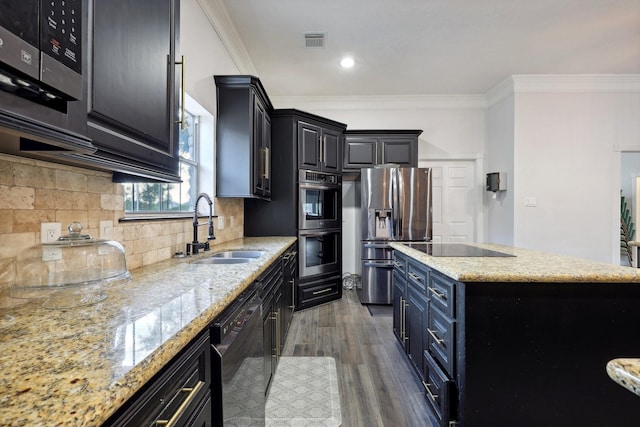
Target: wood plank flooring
{"points": [[377, 386]]}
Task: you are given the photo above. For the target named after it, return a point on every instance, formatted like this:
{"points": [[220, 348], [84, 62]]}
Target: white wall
{"points": [[205, 54], [500, 146], [565, 155]]}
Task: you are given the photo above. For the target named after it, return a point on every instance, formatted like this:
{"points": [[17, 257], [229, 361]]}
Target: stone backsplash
{"points": [[34, 191]]}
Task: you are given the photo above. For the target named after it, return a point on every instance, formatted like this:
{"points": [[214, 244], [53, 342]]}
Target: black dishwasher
{"points": [[238, 374]]}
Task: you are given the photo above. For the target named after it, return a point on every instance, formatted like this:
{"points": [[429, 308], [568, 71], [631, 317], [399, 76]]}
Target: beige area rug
{"points": [[304, 393]]}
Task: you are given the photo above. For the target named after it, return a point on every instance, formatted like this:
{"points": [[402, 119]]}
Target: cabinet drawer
{"points": [[318, 292], [418, 275], [438, 390], [178, 392], [400, 263], [441, 291], [440, 338]]}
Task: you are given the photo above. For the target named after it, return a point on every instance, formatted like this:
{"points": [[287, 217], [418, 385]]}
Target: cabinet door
{"points": [[359, 153], [399, 307], [416, 327], [262, 149], [331, 151], [400, 151], [309, 146], [132, 112]]}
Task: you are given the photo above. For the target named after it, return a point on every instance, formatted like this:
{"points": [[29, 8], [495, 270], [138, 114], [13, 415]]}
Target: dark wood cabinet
{"points": [[295, 136], [368, 148], [180, 392], [134, 88], [410, 309], [243, 138], [506, 353], [319, 147], [290, 279]]}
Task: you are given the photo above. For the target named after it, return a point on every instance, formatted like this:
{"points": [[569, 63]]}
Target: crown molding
{"points": [[381, 102], [218, 16], [578, 83]]}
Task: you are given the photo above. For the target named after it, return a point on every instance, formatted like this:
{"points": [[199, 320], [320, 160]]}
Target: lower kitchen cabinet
{"points": [[178, 395], [516, 353], [318, 291], [410, 308], [288, 300], [271, 281]]}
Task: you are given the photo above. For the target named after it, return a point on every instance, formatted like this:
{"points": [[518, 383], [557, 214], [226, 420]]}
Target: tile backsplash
{"points": [[34, 191]]}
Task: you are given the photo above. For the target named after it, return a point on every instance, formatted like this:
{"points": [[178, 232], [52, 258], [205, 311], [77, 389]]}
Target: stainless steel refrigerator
{"points": [[395, 206]]}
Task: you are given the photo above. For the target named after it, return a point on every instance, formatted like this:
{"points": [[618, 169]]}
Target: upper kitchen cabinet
{"points": [[319, 147], [133, 116], [368, 148], [243, 138]]}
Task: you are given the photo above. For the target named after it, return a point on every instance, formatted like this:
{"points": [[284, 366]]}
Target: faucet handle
{"points": [[188, 251]]}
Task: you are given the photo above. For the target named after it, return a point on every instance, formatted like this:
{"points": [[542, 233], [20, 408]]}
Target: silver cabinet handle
{"points": [[436, 293], [182, 121], [322, 291], [415, 277], [439, 341], [433, 397]]}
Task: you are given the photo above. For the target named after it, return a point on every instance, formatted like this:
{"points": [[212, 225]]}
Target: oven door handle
{"points": [[308, 186], [307, 233]]}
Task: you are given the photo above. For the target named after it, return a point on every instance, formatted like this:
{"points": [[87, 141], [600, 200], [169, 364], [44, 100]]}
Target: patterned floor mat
{"points": [[304, 393]]}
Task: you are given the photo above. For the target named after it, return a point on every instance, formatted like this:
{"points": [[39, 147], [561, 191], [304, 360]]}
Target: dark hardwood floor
{"points": [[377, 386]]}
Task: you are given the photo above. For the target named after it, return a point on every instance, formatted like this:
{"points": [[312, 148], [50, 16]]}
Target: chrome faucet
{"points": [[195, 246]]}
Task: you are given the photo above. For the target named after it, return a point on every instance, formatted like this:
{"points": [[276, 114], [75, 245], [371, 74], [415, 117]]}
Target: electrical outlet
{"points": [[220, 222], [51, 254], [106, 230], [530, 202], [50, 231], [232, 221]]}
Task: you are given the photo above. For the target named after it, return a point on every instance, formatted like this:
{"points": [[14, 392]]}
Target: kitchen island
{"points": [[78, 366], [518, 339]]}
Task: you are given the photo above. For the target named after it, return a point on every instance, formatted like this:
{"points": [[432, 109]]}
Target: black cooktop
{"points": [[455, 250]]}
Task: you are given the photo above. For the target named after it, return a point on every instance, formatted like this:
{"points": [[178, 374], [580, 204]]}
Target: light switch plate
{"points": [[221, 222], [106, 230], [530, 202]]}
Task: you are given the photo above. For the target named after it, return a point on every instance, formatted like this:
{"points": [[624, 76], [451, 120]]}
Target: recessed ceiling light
{"points": [[347, 62]]}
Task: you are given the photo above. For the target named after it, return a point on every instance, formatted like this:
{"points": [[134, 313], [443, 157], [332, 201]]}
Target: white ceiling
{"points": [[421, 47]]}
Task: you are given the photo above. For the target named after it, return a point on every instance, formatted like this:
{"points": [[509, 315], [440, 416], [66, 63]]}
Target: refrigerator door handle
{"points": [[379, 264], [397, 204]]}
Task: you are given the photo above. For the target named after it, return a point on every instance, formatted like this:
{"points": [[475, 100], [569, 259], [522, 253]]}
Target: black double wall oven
{"points": [[319, 237]]}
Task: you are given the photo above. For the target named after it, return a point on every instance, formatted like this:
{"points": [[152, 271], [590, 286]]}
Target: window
{"points": [[178, 198]]}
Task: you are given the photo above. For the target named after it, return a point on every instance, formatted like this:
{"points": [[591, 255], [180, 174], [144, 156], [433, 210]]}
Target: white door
{"points": [[454, 202]]}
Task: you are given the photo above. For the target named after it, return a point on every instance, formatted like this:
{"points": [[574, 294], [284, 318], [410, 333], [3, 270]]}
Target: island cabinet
{"points": [[369, 148], [243, 138], [133, 94], [525, 353], [178, 395], [410, 309]]}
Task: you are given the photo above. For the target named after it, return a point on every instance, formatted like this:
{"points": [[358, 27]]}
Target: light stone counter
{"points": [[625, 372], [526, 266], [76, 367]]}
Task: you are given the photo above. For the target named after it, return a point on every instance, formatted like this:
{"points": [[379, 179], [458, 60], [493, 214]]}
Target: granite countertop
{"points": [[625, 372], [525, 266], [76, 367]]}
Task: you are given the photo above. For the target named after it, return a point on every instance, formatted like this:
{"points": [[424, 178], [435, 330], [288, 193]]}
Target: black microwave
{"points": [[41, 76]]}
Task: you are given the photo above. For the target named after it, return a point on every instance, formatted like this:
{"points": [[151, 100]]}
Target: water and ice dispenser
{"points": [[382, 223]]}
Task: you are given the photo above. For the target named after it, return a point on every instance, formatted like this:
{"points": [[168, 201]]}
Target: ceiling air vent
{"points": [[313, 40]]}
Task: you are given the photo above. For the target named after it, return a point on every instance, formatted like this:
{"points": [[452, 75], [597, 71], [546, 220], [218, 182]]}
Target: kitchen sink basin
{"points": [[238, 254], [217, 260]]}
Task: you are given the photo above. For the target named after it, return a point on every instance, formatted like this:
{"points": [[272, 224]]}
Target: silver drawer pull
{"points": [[415, 277], [322, 291], [439, 341], [433, 397], [396, 264], [436, 293]]}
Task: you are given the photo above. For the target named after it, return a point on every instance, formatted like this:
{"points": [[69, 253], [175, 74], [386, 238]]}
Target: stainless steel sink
{"points": [[238, 254], [217, 260]]}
